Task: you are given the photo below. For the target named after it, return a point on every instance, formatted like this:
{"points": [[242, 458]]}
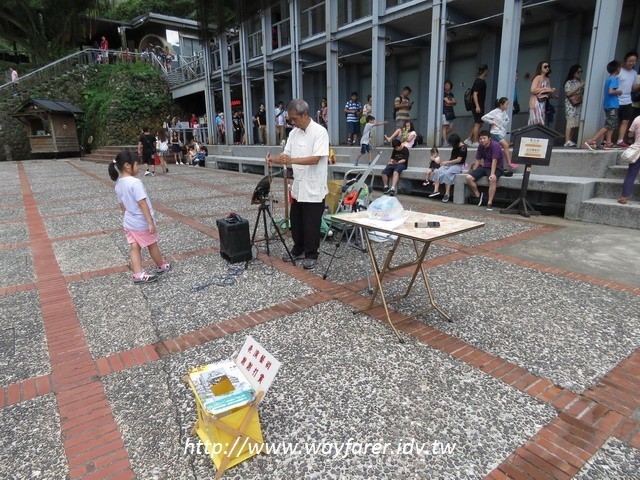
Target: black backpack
{"points": [[469, 104]]}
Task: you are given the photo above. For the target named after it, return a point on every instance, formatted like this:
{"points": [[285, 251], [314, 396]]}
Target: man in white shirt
{"points": [[626, 79], [281, 122], [307, 151]]}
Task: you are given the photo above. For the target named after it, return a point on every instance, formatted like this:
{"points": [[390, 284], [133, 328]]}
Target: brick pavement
{"points": [[92, 441]]}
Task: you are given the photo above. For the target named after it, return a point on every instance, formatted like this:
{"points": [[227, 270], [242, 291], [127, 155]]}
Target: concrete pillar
{"points": [[209, 102], [604, 36], [296, 71], [378, 69], [333, 92], [247, 100], [509, 51], [267, 67], [226, 87], [437, 60]]}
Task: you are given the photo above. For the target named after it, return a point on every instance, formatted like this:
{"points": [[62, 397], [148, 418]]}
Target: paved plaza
{"points": [[536, 377]]}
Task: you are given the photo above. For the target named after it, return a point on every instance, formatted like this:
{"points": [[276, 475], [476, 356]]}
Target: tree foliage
{"points": [[126, 11], [45, 29]]}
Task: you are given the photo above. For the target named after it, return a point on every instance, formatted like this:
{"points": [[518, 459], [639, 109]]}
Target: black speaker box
{"points": [[235, 244]]}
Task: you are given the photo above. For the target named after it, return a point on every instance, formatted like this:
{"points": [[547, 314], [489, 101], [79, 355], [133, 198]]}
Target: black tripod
{"points": [[263, 212]]}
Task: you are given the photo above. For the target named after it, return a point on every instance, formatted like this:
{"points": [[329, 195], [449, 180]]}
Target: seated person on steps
{"points": [[407, 135], [488, 157], [434, 164], [449, 168], [397, 164], [200, 157]]}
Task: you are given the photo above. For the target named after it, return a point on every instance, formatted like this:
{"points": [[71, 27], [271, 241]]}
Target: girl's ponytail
{"points": [[119, 162], [113, 171]]}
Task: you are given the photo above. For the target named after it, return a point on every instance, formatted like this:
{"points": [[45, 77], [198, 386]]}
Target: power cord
{"points": [[227, 280]]}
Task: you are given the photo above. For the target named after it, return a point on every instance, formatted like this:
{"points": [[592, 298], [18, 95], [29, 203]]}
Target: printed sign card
{"points": [[258, 365]]}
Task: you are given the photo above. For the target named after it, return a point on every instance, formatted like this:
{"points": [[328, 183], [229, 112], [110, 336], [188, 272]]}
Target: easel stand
{"points": [[263, 212], [227, 437], [521, 206], [228, 394]]}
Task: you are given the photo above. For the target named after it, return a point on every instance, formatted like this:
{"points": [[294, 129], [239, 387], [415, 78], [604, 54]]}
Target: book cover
{"points": [[221, 386]]}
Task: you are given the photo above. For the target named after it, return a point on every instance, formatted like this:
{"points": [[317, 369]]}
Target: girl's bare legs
{"points": [[507, 154], [445, 133], [395, 134], [136, 258], [156, 256], [427, 174]]}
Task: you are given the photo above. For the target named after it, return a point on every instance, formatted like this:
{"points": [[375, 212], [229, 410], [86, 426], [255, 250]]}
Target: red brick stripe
{"points": [[74, 374]]}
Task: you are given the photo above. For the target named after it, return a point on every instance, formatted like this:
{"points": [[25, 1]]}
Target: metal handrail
{"points": [[83, 58]]}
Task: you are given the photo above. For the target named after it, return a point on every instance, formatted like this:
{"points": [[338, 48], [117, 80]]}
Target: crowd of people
{"points": [[493, 156], [166, 146], [492, 145]]}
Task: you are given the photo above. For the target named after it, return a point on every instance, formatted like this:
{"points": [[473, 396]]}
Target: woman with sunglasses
{"points": [[541, 91], [573, 89]]}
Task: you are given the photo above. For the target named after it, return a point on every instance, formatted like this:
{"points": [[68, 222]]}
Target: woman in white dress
{"points": [[541, 91], [573, 89]]}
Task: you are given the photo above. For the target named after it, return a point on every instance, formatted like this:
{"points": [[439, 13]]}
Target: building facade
{"points": [[327, 49]]}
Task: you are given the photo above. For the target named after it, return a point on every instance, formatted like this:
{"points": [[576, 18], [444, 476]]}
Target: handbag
{"points": [[450, 115], [630, 155], [575, 100], [156, 159]]}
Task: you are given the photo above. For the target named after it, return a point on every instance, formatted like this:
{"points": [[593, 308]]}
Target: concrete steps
{"points": [[612, 189], [616, 171], [608, 211], [107, 154]]}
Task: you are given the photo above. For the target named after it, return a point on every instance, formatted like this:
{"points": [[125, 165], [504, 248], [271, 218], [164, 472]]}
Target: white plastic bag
{"points": [[385, 208], [630, 155]]}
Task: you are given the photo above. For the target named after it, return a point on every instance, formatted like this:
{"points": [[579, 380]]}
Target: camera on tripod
{"points": [[262, 191]]}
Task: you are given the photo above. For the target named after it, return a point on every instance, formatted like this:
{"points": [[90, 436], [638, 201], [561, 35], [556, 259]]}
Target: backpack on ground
{"points": [[469, 104]]}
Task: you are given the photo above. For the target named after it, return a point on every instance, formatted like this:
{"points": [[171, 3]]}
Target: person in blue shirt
{"points": [[353, 110], [611, 106], [200, 157]]}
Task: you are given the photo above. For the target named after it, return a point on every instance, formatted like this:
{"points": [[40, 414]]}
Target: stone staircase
{"points": [[107, 154], [604, 208]]}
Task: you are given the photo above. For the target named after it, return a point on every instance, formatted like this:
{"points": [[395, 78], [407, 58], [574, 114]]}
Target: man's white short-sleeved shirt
{"points": [[130, 191], [309, 181]]}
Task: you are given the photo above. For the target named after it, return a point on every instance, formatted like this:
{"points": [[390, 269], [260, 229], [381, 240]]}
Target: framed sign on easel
{"points": [[532, 145]]}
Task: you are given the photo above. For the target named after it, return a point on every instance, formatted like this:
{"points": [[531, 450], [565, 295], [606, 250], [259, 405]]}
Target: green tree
{"points": [[45, 29], [126, 11]]}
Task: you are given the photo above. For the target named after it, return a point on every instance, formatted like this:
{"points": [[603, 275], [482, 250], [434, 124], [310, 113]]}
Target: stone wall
{"points": [[118, 100]]}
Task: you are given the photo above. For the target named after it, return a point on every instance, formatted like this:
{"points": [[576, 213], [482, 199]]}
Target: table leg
{"points": [[426, 280], [379, 275]]}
